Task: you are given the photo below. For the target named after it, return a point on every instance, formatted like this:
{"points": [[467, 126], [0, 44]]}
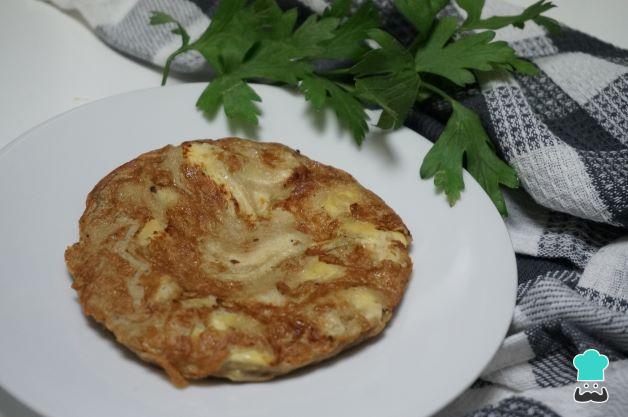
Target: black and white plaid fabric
{"points": [[566, 133]]}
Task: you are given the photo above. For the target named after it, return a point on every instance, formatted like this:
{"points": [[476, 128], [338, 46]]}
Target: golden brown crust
{"points": [[238, 259]]}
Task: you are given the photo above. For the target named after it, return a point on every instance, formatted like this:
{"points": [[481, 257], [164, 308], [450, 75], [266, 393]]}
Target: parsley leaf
{"points": [[259, 41], [550, 24], [315, 91], [160, 18], [421, 13], [465, 136], [474, 11], [339, 9], [386, 76], [474, 51], [309, 37], [348, 41], [322, 92], [236, 96]]}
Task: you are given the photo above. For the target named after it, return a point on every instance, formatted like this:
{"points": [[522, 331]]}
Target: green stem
{"points": [[438, 91], [171, 58], [414, 46], [337, 71], [347, 87], [166, 71]]}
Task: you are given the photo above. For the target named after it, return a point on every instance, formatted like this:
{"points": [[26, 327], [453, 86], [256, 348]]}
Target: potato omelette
{"points": [[237, 259]]}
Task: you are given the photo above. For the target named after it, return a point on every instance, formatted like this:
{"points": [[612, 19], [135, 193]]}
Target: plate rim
{"points": [[505, 320]]}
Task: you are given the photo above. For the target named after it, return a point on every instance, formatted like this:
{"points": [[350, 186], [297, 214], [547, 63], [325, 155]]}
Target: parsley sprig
{"points": [[256, 40]]}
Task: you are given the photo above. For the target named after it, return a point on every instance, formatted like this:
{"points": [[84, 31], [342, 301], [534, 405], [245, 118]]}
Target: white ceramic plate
{"points": [[453, 317]]}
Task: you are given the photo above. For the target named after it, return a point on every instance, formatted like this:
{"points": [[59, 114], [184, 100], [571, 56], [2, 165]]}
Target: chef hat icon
{"points": [[590, 365]]}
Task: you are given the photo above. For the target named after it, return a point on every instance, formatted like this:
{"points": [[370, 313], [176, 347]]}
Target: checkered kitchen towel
{"points": [[566, 133]]}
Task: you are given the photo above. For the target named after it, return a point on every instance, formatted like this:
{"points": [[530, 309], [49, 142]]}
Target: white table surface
{"points": [[51, 62]]}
